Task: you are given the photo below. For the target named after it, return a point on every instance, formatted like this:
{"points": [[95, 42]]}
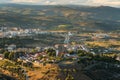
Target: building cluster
{"points": [[31, 54], [13, 32]]}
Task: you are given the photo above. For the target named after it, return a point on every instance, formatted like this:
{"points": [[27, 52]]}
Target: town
{"points": [[74, 48], [59, 40]]}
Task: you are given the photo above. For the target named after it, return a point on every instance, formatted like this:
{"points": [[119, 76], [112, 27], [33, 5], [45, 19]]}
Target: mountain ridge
{"points": [[63, 17]]}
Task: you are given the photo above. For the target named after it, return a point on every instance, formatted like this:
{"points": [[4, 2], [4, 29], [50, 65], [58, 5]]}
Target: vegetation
{"points": [[79, 64], [36, 40], [50, 52], [71, 17], [6, 77]]}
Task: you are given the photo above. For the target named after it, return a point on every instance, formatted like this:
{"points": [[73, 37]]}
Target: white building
{"points": [[11, 47], [118, 57]]}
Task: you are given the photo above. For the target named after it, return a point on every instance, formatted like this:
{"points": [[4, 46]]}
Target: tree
{"points": [[11, 56], [2, 51], [71, 52], [51, 52], [6, 54]]}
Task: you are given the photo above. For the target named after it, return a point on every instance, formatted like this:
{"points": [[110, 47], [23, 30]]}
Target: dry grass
{"points": [[43, 72], [105, 44]]}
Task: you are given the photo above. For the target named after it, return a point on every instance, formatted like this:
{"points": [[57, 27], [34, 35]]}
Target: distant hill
{"points": [[67, 17]]}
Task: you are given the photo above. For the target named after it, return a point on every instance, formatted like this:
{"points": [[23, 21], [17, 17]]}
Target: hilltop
{"points": [[60, 17]]}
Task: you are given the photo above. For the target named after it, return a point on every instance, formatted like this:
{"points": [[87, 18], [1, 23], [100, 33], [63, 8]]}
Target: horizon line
{"points": [[62, 5]]}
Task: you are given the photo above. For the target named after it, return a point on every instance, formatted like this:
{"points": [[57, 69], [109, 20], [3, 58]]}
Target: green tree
{"points": [[71, 52], [2, 51], [12, 56], [51, 52], [6, 54]]}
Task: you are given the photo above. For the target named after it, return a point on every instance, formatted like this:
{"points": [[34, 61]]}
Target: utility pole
{"points": [[67, 38]]}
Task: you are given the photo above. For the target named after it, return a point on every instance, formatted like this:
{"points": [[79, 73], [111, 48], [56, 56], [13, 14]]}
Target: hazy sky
{"points": [[115, 3]]}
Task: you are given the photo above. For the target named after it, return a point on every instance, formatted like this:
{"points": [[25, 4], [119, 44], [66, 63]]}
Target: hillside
{"points": [[67, 17], [5, 77]]}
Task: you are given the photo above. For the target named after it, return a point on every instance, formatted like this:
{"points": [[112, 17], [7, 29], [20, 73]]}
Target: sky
{"points": [[114, 3]]}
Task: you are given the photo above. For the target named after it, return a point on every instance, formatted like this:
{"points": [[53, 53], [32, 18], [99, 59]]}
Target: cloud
{"points": [[78, 2], [50, 3], [104, 2], [25, 1]]}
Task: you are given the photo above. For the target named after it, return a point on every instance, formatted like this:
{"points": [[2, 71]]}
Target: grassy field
{"points": [[105, 44], [47, 72]]}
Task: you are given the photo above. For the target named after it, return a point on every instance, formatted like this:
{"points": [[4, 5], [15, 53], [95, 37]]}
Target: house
{"points": [[73, 56], [11, 47], [118, 57], [1, 56]]}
